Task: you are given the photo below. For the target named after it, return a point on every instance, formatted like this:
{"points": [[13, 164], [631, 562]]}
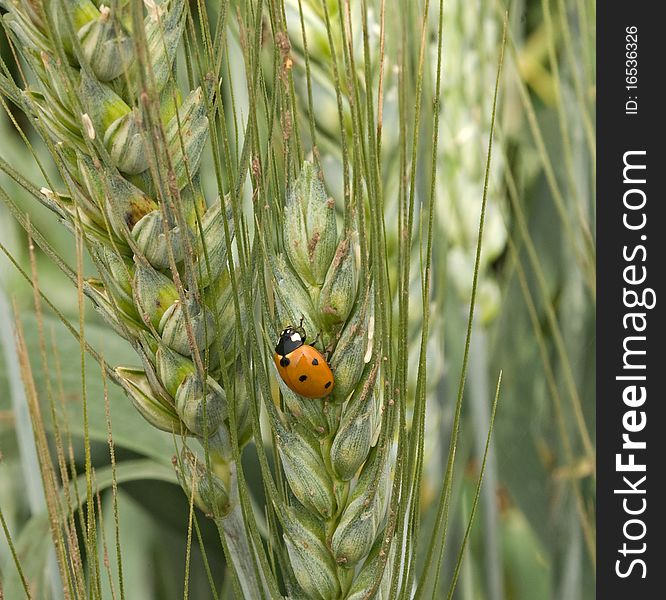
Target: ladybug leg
{"points": [[317, 337], [324, 350], [300, 329]]}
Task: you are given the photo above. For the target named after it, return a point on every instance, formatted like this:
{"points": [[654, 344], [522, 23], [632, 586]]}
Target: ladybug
{"points": [[302, 367]]}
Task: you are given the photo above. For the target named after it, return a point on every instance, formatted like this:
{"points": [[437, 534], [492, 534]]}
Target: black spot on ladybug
{"points": [[315, 362], [328, 384], [284, 361], [302, 377]]}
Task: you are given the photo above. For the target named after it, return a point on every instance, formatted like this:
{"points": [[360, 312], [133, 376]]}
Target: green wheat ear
{"points": [[128, 141], [338, 479], [138, 232]]}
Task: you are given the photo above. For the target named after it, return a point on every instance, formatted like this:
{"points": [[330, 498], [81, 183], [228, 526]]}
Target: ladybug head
{"points": [[290, 339]]}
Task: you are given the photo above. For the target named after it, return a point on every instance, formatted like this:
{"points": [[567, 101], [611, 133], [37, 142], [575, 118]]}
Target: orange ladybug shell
{"points": [[304, 369]]}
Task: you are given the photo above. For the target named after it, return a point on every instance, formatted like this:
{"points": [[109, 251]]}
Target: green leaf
{"points": [[137, 529], [129, 428], [30, 545]]}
